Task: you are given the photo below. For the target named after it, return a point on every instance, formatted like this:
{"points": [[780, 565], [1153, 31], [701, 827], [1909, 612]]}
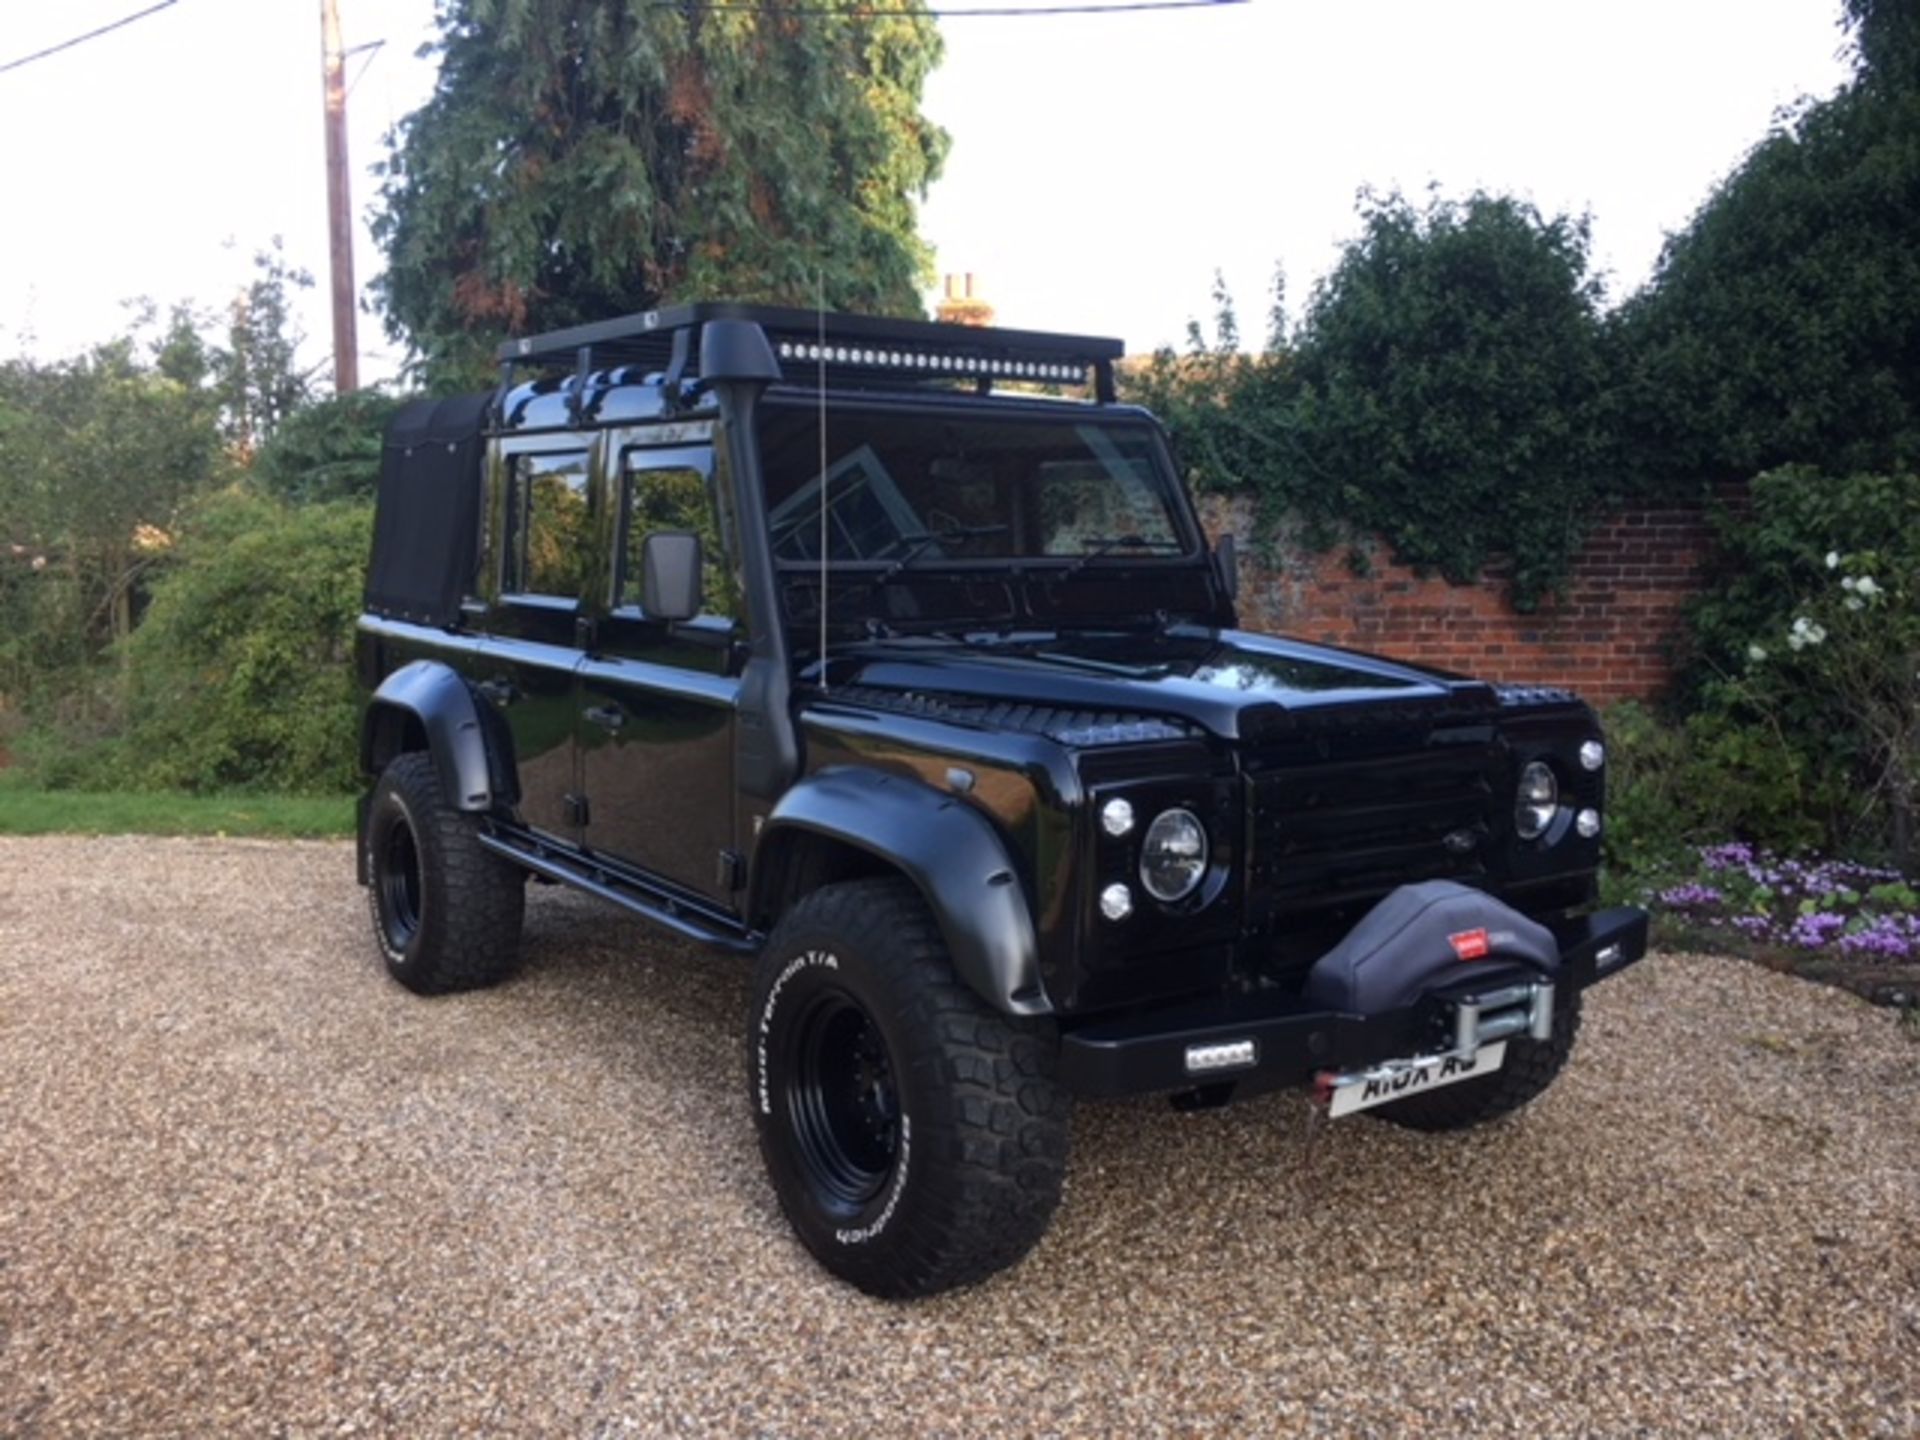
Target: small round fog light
{"points": [[1592, 755], [1587, 822], [1116, 902], [1116, 817]]}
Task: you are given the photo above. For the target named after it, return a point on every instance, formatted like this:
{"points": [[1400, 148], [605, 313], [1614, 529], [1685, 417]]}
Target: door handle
{"points": [[607, 717], [500, 692]]}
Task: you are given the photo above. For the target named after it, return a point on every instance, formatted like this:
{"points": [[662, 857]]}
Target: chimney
{"points": [[963, 304]]}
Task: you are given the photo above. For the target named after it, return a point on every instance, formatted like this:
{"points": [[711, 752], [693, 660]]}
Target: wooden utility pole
{"points": [[346, 345]]}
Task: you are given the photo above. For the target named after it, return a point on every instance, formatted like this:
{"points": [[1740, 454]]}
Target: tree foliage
{"points": [[240, 676], [259, 374], [1447, 387], [1782, 325], [1886, 41], [98, 456], [101, 456], [587, 158], [327, 450]]}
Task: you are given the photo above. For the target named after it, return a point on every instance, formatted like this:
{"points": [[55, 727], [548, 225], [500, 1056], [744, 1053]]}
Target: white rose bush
{"points": [[1858, 639]]}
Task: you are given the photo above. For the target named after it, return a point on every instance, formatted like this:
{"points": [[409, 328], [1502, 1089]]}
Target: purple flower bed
{"points": [[1858, 924]]}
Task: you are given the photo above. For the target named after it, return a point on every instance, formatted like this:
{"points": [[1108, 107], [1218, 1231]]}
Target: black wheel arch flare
{"points": [[452, 721], [949, 850]]}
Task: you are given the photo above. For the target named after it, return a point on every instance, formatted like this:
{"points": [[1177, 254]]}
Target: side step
{"points": [[649, 902]]}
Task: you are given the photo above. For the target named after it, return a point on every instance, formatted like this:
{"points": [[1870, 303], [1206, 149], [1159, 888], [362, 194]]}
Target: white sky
{"points": [[1102, 167]]}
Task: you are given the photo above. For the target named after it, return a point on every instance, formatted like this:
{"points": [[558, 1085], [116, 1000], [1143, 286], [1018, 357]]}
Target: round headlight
{"points": [[1592, 755], [1538, 799], [1173, 857]]}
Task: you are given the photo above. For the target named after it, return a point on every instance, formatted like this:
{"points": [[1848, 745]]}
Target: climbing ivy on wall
{"points": [[1446, 388]]}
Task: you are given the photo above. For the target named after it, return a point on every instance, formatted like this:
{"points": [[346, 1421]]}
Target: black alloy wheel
{"points": [[844, 1107], [396, 871]]}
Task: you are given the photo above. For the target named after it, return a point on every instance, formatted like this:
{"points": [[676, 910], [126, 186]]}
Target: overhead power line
{"points": [[985, 12], [372, 52], [988, 12], [106, 29]]}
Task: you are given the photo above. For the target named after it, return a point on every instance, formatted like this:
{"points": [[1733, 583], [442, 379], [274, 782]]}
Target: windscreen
{"points": [[931, 490]]}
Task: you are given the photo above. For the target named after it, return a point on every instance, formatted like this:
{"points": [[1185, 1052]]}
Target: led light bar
{"points": [[1229, 1055], [931, 363]]}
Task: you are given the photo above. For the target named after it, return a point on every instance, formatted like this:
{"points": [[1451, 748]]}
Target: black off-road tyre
{"points": [[1529, 1068], [446, 913], [916, 1137]]}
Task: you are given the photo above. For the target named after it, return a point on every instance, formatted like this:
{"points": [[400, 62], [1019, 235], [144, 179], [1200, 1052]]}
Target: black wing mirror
{"points": [[670, 568]]}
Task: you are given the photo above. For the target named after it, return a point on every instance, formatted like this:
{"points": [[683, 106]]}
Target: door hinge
{"points": [[577, 812], [730, 870]]}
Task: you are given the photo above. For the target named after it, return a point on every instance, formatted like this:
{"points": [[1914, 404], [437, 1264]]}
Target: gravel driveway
{"points": [[248, 1186]]}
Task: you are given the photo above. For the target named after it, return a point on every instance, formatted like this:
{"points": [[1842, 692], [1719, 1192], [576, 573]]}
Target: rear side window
{"points": [[548, 526]]}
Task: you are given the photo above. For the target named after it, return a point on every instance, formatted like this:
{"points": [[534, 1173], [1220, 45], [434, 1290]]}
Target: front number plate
{"points": [[1365, 1093]]}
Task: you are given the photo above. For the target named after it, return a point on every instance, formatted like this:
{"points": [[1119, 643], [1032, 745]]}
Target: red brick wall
{"points": [[1610, 637]]}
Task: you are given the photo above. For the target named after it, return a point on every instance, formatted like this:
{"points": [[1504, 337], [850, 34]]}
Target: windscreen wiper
{"points": [[1101, 545], [919, 540]]}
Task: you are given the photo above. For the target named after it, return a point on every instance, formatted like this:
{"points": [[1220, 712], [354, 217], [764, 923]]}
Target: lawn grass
{"points": [[25, 810]]}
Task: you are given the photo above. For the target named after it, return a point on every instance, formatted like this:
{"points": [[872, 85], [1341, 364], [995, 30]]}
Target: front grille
{"points": [[1353, 817]]}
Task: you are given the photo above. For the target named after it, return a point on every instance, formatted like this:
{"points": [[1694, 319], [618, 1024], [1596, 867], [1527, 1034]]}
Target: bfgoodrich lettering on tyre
{"points": [[915, 1137]]}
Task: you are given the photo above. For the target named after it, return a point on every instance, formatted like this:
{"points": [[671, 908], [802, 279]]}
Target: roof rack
{"points": [[860, 351]]}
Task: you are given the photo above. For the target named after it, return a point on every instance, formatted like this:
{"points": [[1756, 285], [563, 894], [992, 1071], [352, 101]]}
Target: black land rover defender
{"points": [[831, 641]]}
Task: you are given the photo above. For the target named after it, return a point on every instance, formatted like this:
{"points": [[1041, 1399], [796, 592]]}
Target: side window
{"points": [[548, 528], [676, 497]]}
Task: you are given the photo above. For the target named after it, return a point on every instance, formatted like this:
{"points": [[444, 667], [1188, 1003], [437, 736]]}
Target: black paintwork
{"points": [[950, 850], [967, 723]]}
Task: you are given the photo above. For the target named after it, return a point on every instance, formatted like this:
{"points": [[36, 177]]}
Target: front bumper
{"points": [[1291, 1039]]}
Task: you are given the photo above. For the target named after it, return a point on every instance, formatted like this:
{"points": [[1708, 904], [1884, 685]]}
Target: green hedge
{"points": [[240, 677]]}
